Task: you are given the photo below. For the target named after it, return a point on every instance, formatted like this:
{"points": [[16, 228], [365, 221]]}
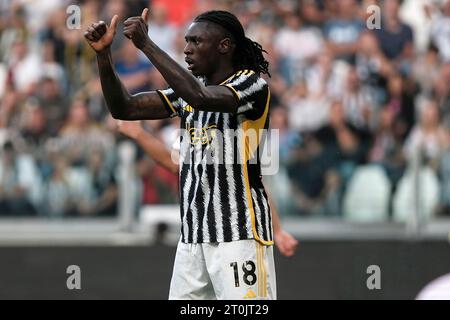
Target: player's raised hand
{"points": [[136, 29], [285, 243], [100, 36]]}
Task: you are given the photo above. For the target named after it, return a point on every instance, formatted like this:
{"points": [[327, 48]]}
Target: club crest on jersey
{"points": [[201, 136]]}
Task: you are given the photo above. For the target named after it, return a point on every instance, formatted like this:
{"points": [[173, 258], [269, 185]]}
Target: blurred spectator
{"points": [[395, 38], [76, 191], [313, 12], [79, 137], [133, 71], [440, 31], [8, 103], [357, 101], [112, 7], [441, 89], [54, 102], [289, 138], [297, 45], [57, 201], [19, 183], [419, 15], [326, 76], [307, 112], [34, 131], [12, 27], [159, 184], [401, 104], [50, 67], [444, 170], [427, 137], [387, 148], [38, 11], [103, 201], [426, 69], [325, 160], [162, 33], [342, 31], [24, 67], [54, 33], [372, 66]]}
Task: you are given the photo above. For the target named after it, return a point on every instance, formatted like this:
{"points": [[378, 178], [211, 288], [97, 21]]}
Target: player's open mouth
{"points": [[190, 63]]}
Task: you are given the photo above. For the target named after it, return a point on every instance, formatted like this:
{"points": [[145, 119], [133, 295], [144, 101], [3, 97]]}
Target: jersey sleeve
{"points": [[171, 101], [252, 93]]}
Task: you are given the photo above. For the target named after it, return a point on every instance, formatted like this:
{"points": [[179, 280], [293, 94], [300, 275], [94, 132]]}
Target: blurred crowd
{"points": [[343, 96]]}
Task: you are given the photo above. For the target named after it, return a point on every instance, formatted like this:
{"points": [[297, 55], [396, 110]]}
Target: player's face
{"points": [[201, 49]]}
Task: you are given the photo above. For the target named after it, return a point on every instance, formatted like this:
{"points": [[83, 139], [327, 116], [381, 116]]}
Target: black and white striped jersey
{"points": [[222, 195]]}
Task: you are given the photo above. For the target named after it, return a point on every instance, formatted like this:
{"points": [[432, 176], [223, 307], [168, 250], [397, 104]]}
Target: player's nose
{"points": [[187, 49]]}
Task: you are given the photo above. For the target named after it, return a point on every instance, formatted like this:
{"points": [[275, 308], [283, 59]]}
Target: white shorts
{"points": [[234, 270]]}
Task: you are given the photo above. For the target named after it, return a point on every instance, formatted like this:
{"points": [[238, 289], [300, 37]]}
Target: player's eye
{"points": [[195, 41]]}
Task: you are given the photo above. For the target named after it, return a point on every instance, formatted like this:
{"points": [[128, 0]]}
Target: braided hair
{"points": [[248, 53]]}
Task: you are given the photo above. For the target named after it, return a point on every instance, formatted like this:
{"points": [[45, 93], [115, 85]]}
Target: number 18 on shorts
{"points": [[237, 270]]}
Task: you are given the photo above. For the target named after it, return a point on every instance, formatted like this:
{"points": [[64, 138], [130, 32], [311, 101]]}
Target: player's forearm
{"points": [[179, 79], [157, 151], [186, 85], [122, 105], [116, 95]]}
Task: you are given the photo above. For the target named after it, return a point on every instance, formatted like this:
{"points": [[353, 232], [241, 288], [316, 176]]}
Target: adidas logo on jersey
{"points": [[250, 294]]}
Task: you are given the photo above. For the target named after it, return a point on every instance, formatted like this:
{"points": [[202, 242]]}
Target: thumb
{"points": [[113, 25], [144, 14]]}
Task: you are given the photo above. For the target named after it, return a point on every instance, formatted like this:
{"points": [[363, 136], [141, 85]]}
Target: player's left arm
{"points": [[185, 85], [284, 241], [153, 146]]}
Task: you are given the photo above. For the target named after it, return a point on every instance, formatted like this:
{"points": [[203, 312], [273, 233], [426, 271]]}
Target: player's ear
{"points": [[225, 46]]}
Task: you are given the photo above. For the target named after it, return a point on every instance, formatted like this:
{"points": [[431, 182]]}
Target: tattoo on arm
{"points": [[122, 105]]}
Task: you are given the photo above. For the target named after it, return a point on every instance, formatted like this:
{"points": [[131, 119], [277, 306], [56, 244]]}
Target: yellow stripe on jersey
{"points": [[248, 150], [235, 74], [245, 72], [262, 273], [234, 90], [168, 101], [258, 267]]}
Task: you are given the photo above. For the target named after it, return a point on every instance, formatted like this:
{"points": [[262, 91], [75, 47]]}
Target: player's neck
{"points": [[220, 75]]}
